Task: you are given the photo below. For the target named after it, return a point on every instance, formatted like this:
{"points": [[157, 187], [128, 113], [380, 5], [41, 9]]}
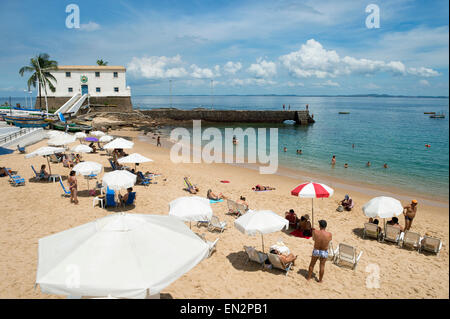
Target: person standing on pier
{"points": [[289, 107], [284, 107], [307, 106], [158, 141]]}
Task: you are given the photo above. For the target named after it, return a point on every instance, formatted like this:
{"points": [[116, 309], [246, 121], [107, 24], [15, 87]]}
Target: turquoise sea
{"points": [[383, 130]]}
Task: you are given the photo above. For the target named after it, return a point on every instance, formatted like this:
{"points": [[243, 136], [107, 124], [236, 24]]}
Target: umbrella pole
{"points": [[262, 239], [312, 209], [49, 168]]}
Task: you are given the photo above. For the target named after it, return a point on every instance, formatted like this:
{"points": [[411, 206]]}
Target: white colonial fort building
{"points": [[104, 85]]}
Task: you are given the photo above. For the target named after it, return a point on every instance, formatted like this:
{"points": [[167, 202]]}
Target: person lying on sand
{"points": [[394, 222], [321, 239], [285, 259], [262, 188], [212, 196], [242, 201], [305, 225]]}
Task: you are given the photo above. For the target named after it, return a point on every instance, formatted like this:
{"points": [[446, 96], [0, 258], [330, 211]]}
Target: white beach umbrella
{"points": [[191, 208], [119, 179], [120, 255], [45, 151], [62, 139], [382, 207], [81, 148], [106, 138], [119, 143], [260, 222], [80, 135], [135, 158], [53, 133], [88, 168], [98, 133]]}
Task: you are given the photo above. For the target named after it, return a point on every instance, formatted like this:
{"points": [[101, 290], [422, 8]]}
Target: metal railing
{"points": [[14, 135]]}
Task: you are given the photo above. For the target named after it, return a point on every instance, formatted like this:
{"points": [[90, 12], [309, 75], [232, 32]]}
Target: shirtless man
{"points": [[394, 222], [410, 212], [321, 239], [333, 160]]}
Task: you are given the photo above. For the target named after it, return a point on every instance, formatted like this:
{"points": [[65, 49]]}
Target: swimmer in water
{"points": [[368, 164], [385, 165], [345, 165], [333, 160]]}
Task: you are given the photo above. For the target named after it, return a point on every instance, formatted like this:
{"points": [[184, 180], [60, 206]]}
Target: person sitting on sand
{"points": [[285, 259], [43, 172], [291, 216], [262, 188], [3, 171], [94, 149], [322, 240], [347, 203], [242, 201], [73, 187], [304, 225], [212, 196], [394, 222], [67, 162], [123, 199]]}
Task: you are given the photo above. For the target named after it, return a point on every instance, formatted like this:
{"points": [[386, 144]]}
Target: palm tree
{"points": [[102, 63], [41, 66]]}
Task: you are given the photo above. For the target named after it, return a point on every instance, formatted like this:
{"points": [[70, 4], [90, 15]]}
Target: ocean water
{"points": [[382, 129]]}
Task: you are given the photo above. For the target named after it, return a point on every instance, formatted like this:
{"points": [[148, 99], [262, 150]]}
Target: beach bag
{"points": [[340, 208]]}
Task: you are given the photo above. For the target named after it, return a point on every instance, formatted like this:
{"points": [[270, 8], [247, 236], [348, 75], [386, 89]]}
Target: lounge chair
{"points": [[130, 199], [110, 198], [431, 244], [241, 209], [39, 176], [21, 149], [331, 254], [215, 223], [371, 231], [232, 209], [347, 254], [392, 234], [15, 180], [411, 240], [66, 193], [189, 186], [113, 166], [143, 180], [54, 159], [255, 255], [276, 263]]}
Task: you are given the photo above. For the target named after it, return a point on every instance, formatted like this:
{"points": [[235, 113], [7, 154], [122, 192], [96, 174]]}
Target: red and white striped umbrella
{"points": [[312, 190]]}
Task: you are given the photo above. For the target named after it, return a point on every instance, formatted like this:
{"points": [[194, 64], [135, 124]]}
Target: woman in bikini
{"points": [[211, 195], [73, 186]]}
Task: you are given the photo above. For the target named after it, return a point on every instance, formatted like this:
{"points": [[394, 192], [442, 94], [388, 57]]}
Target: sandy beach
{"points": [[37, 209]]}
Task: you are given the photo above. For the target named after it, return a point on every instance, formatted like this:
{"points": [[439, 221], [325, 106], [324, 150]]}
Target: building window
{"points": [[68, 74], [97, 74], [97, 90], [116, 89], [70, 90], [116, 75]]}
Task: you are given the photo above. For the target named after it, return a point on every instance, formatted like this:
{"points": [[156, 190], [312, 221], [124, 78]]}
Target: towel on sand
{"points": [[212, 201], [299, 233]]}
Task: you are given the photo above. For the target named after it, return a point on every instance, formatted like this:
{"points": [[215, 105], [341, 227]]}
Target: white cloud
{"points": [[424, 83], [294, 84], [232, 67], [200, 73], [312, 60], [262, 69], [157, 67], [327, 83], [90, 26], [251, 81], [372, 86]]}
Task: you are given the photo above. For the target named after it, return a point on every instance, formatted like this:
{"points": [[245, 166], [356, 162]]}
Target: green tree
{"points": [[102, 63], [40, 67]]}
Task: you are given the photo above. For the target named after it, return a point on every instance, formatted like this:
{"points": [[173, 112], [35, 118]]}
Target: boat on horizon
{"points": [[344, 112]]}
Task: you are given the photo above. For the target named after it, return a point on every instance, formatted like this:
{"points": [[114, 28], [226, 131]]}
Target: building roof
{"points": [[91, 67]]}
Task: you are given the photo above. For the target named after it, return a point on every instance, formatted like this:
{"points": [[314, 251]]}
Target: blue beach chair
{"points": [[130, 199], [21, 149], [39, 176], [110, 198], [66, 193], [113, 166], [144, 180], [15, 180]]}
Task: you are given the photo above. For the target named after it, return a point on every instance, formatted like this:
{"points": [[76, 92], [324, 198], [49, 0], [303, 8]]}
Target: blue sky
{"points": [[245, 47]]}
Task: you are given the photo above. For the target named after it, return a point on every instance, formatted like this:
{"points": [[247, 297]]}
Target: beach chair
{"points": [[211, 245], [411, 240], [113, 166], [232, 207], [215, 223], [331, 254], [15, 180], [371, 231], [431, 244], [54, 159], [256, 256], [189, 186], [143, 180], [21, 149], [392, 234], [276, 263], [130, 199], [39, 176], [241, 209], [347, 254], [110, 198], [66, 193]]}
